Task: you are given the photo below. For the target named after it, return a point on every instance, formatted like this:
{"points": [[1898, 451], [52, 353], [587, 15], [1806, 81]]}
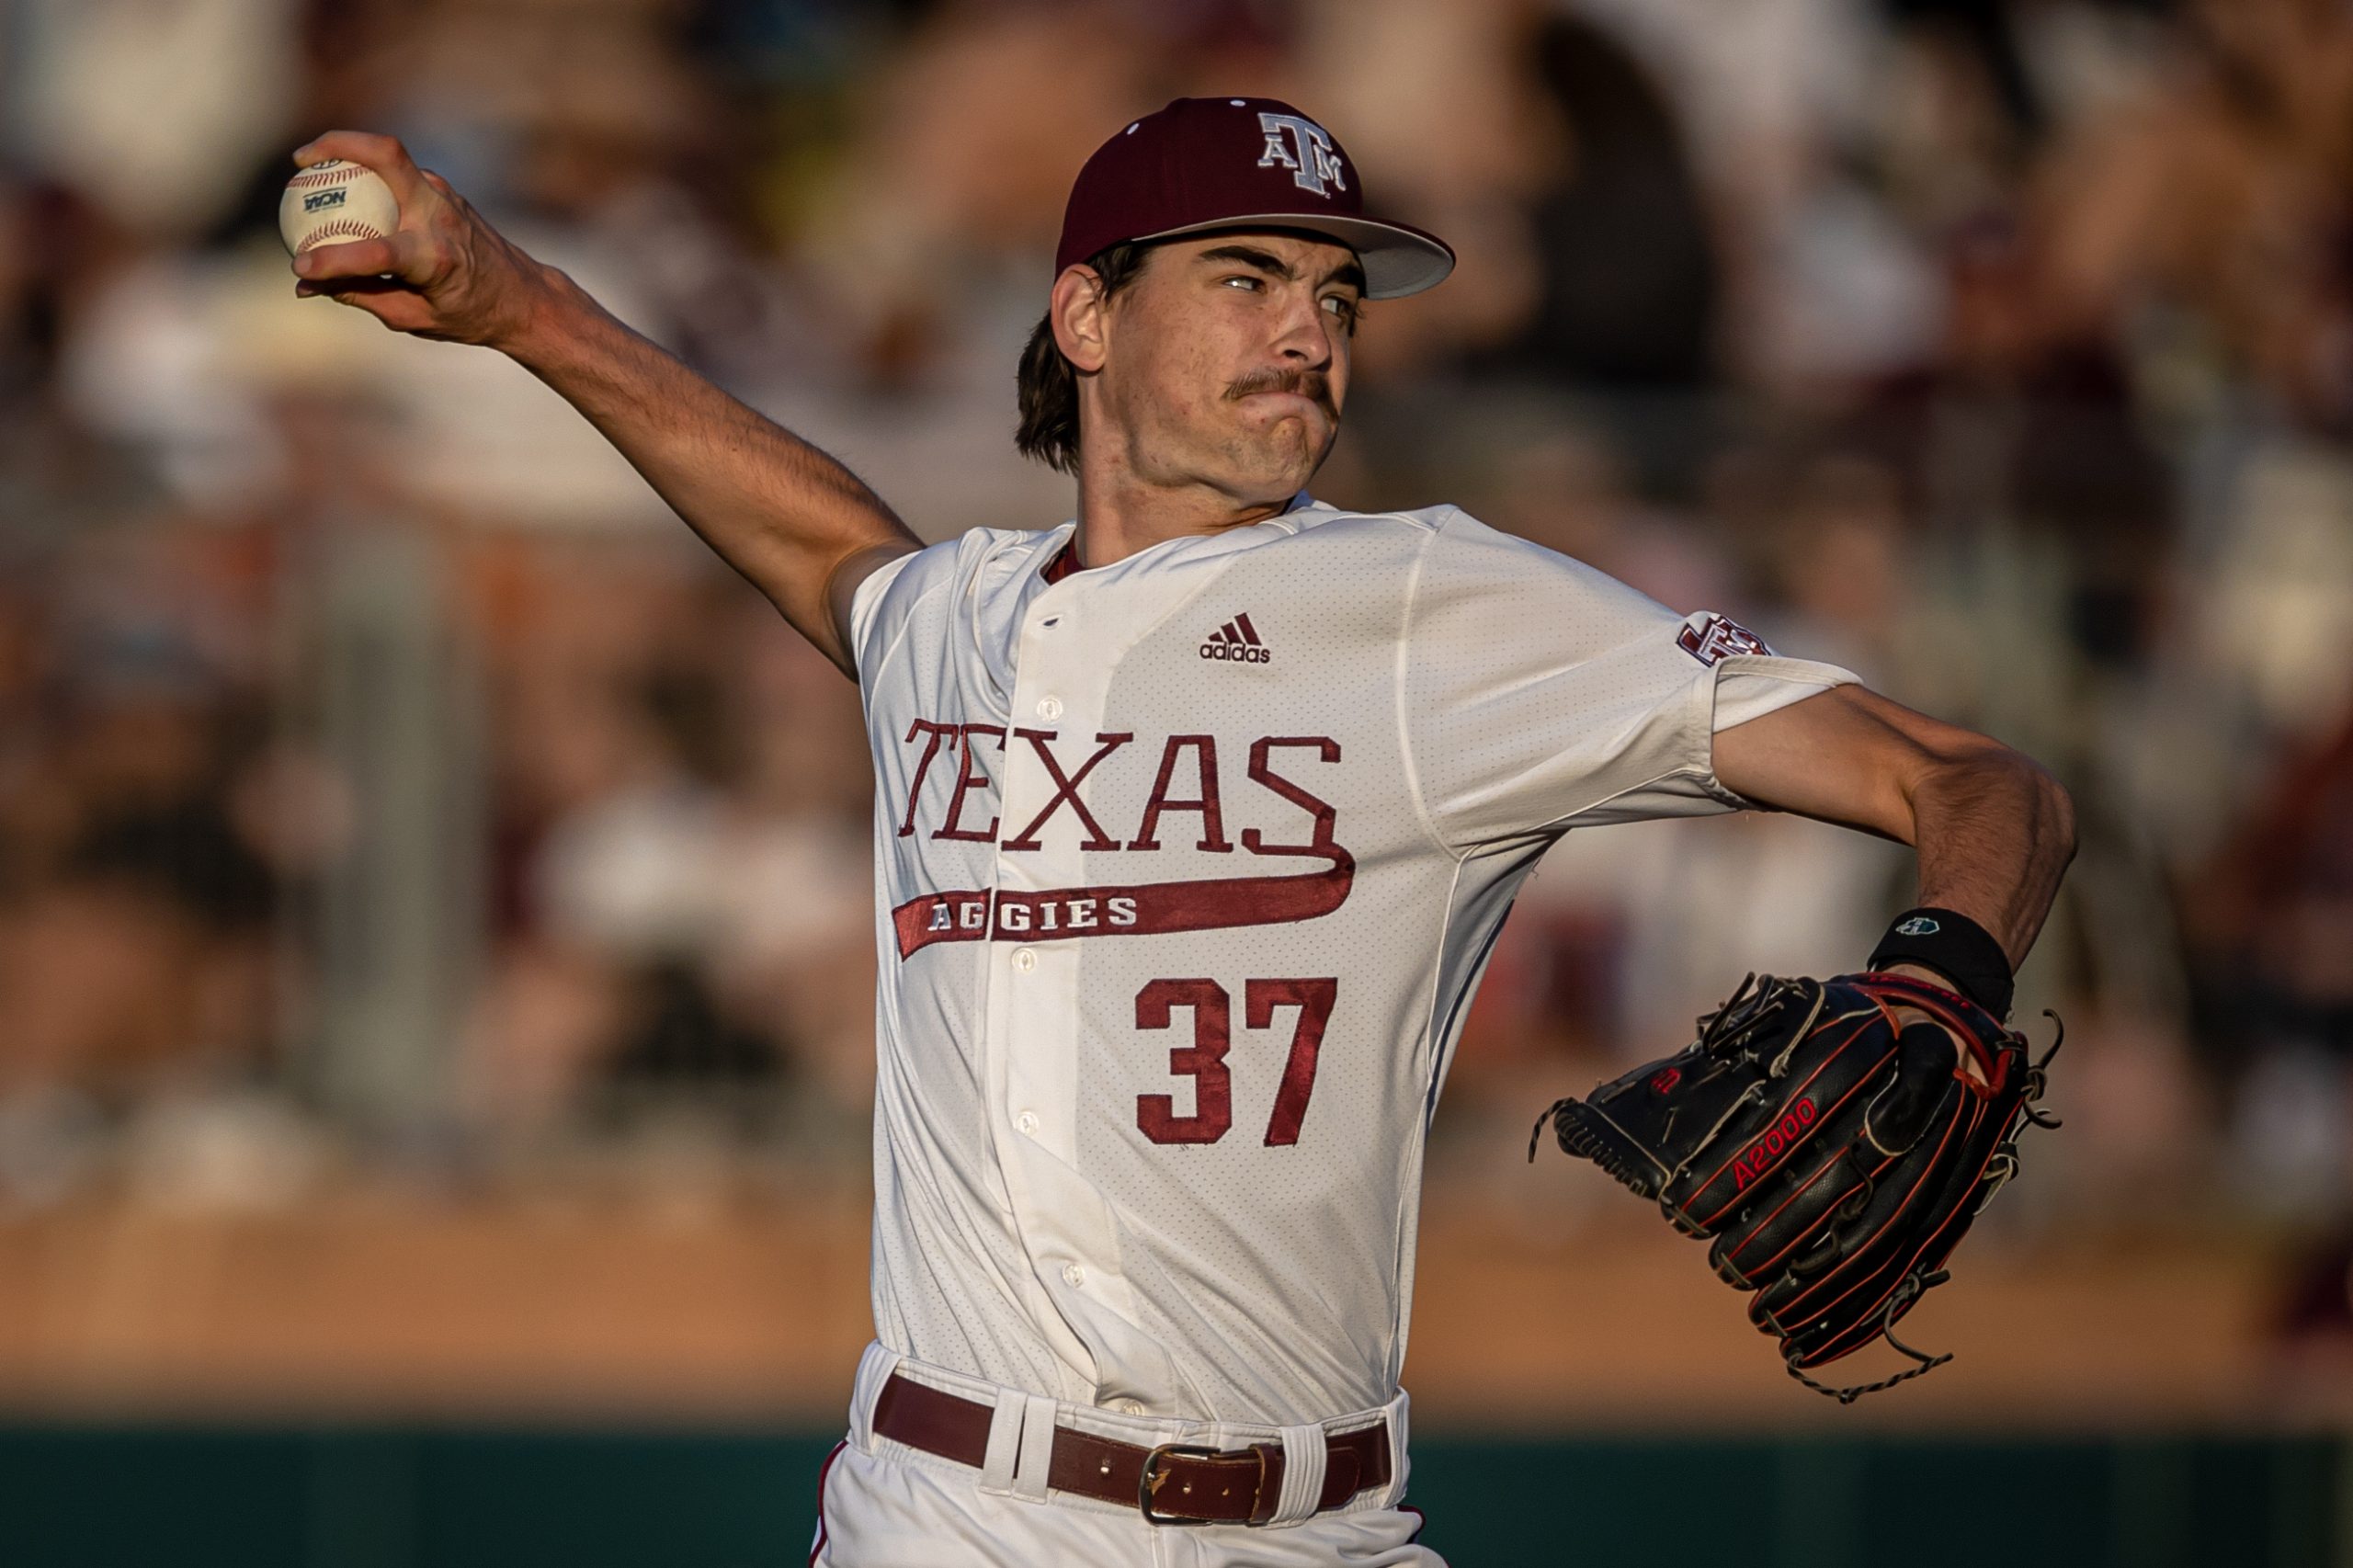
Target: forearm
{"points": [[1994, 833], [785, 515]]}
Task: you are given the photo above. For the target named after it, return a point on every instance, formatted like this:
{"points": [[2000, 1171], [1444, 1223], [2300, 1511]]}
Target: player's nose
{"points": [[1306, 340]]}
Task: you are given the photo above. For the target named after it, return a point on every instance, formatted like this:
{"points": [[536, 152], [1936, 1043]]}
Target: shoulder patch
{"points": [[1716, 636]]}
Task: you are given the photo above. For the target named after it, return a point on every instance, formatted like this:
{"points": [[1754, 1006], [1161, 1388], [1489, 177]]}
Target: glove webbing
{"points": [[1897, 1299], [1726, 1029]]}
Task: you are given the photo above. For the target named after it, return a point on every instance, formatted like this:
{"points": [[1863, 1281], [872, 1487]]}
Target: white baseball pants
{"points": [[883, 1505]]}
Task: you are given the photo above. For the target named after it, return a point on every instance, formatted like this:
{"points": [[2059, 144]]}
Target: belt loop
{"points": [[999, 1468], [874, 1369], [1304, 1456], [1398, 1461], [1037, 1447]]}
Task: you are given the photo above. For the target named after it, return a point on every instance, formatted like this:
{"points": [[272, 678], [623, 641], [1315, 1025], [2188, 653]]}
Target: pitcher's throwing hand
{"points": [[442, 273]]}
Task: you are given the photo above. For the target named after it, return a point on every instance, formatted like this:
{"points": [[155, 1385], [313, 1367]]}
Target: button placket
{"points": [[1064, 681], [1030, 997]]}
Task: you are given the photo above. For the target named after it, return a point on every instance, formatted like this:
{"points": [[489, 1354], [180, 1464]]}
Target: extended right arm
{"points": [[801, 526]]}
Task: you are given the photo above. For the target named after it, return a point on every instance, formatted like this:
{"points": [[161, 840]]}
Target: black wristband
{"points": [[1955, 946]]}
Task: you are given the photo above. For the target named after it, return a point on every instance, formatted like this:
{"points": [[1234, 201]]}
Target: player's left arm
{"points": [[1993, 830]]}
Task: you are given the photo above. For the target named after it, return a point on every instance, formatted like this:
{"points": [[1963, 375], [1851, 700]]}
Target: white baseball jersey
{"points": [[1186, 869]]}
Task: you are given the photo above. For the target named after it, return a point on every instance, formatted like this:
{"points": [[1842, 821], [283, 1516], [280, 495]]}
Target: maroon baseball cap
{"points": [[1239, 163]]}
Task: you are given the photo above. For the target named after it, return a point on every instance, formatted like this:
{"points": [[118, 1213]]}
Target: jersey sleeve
{"points": [[1538, 694], [873, 624]]}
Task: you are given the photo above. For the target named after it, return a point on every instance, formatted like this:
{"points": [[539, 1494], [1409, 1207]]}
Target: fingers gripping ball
{"points": [[1822, 1141], [334, 203]]}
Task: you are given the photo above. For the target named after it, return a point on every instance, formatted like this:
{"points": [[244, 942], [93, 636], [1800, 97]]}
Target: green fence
{"points": [[115, 1497]]}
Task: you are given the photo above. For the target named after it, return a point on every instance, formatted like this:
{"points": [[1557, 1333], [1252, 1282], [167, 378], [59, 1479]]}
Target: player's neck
{"points": [[1119, 515]]}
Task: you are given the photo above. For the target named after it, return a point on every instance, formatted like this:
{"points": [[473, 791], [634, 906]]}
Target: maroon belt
{"points": [[1174, 1483]]}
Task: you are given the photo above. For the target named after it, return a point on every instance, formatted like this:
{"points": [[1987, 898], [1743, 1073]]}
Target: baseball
{"points": [[332, 203]]}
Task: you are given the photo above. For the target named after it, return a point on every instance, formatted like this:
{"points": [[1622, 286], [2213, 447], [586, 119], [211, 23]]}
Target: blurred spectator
{"points": [[154, 113], [134, 935], [684, 898], [1621, 237], [2203, 223]]}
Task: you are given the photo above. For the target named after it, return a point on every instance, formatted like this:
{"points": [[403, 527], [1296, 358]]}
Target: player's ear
{"points": [[1078, 312]]}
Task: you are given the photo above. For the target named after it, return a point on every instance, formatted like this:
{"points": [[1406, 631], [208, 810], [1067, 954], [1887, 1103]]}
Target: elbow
{"points": [[2048, 810], [2055, 810], [1989, 772]]}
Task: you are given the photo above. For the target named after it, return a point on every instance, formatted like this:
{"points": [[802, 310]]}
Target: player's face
{"points": [[1228, 361]]}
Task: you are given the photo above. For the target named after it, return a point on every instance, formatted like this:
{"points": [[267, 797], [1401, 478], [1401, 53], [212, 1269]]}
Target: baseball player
{"points": [[1196, 819]]}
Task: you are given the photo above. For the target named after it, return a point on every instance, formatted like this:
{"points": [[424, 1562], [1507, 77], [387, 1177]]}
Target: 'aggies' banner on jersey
{"points": [[1143, 908]]}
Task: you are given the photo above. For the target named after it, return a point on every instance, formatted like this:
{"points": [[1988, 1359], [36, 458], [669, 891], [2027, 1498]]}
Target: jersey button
{"points": [[1073, 1276], [1025, 960], [1131, 1407], [1050, 708], [1027, 1122]]}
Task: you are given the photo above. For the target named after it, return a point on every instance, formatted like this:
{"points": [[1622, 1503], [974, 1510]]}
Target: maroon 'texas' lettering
{"points": [[1211, 810], [936, 732], [1160, 802], [1324, 812], [966, 782], [1146, 908], [1067, 788]]}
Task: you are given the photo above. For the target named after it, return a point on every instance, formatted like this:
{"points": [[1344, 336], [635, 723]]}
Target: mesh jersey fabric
{"points": [[1186, 869]]}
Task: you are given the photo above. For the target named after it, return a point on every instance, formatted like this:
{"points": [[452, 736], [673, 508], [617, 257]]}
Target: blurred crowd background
{"points": [[389, 787]]}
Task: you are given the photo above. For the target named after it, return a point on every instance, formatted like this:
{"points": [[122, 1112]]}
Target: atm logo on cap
{"points": [[1302, 147]]}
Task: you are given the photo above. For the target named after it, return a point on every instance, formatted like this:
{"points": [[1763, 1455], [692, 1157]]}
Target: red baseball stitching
{"points": [[338, 228], [335, 171]]}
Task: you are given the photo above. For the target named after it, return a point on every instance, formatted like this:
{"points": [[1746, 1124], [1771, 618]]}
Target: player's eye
{"points": [[1246, 279], [1347, 309]]}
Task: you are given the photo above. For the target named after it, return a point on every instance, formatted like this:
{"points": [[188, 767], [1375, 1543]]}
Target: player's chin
{"points": [[1271, 476], [1292, 443], [1272, 413]]}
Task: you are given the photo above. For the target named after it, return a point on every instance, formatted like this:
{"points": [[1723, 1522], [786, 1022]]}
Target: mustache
{"points": [[1314, 385]]}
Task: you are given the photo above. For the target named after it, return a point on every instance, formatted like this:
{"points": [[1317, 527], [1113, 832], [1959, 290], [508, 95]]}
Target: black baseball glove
{"points": [[1833, 1156]]}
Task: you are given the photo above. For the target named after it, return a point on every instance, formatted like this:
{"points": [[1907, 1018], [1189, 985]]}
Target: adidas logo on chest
{"points": [[1237, 643]]}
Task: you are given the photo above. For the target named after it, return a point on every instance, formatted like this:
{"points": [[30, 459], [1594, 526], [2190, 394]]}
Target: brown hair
{"points": [[1049, 386]]}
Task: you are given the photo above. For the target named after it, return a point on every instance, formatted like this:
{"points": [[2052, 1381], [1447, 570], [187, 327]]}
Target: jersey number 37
{"points": [[1204, 1059]]}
